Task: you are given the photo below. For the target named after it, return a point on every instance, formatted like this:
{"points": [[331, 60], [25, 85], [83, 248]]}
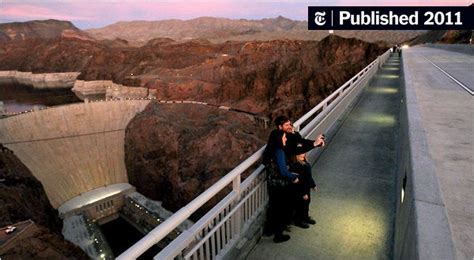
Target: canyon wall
{"points": [[173, 152], [23, 197]]}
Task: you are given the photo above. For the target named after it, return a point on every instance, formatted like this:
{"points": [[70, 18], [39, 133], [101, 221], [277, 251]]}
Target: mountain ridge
{"points": [[45, 29], [219, 30], [216, 30]]}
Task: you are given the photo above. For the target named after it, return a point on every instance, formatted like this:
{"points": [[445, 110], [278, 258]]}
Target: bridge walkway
{"points": [[356, 176]]}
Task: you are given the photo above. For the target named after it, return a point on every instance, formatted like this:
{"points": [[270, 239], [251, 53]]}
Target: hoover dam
{"points": [[76, 149]]}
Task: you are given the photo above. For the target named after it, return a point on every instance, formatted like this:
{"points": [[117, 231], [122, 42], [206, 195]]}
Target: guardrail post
{"points": [[379, 61], [325, 106], [237, 218], [236, 184]]}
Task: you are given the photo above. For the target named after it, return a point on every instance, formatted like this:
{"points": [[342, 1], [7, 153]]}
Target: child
{"points": [[302, 189]]}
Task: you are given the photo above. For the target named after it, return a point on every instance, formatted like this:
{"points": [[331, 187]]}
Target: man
{"points": [[297, 145], [294, 139]]}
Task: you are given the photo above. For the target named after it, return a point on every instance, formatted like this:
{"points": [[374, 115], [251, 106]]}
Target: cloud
{"points": [[27, 11], [399, 3], [98, 13]]}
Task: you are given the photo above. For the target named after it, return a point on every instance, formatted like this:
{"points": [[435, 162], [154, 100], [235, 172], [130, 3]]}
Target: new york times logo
{"points": [[390, 18], [319, 18]]}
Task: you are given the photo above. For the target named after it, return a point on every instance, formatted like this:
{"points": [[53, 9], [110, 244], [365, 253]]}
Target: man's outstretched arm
{"points": [[308, 144]]}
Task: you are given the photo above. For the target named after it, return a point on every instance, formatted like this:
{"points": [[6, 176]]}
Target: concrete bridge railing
{"points": [[422, 228], [218, 231]]}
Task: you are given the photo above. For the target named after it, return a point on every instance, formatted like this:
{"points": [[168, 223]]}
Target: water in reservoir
{"points": [[18, 98]]}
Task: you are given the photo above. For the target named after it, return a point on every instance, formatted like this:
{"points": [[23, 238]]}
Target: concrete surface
{"points": [[459, 65], [356, 175], [421, 229], [107, 89], [94, 196], [445, 112], [40, 80], [72, 149], [462, 48]]}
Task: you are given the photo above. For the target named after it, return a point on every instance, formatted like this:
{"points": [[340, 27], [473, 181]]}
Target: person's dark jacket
{"points": [[295, 142], [306, 181], [275, 152]]}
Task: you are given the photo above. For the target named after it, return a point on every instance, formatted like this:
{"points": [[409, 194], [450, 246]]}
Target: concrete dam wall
{"points": [[72, 149], [40, 80], [92, 90], [106, 89]]}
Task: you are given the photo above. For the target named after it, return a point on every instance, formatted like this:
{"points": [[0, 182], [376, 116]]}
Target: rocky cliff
{"points": [[173, 152], [43, 244], [442, 36], [265, 77], [269, 78], [42, 29], [22, 197], [49, 55]]}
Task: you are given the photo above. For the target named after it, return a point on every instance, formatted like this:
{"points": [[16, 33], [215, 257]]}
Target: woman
{"points": [[278, 180]]}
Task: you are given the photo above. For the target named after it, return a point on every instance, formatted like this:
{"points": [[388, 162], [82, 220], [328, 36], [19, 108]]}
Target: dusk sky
{"points": [[98, 13]]}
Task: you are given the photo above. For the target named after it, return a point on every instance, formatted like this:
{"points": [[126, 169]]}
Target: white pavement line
{"points": [[451, 77]]}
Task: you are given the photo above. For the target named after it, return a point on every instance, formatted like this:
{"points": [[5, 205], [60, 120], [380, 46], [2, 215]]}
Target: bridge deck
{"points": [[446, 114], [356, 175]]}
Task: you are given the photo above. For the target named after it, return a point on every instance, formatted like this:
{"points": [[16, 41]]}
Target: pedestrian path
{"points": [[356, 176]]}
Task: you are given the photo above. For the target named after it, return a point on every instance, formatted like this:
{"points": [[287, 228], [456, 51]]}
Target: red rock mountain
{"points": [[44, 245], [219, 30], [22, 197], [44, 29], [442, 36], [264, 77], [173, 152]]}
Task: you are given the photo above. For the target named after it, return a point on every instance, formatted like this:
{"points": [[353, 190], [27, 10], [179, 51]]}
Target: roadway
{"points": [[4, 237], [356, 175]]}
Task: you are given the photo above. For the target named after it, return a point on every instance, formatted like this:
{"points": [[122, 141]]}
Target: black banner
{"points": [[390, 18]]}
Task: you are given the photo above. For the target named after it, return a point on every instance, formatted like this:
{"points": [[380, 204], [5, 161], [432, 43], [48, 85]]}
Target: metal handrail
{"points": [[310, 113], [181, 215], [233, 177]]}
